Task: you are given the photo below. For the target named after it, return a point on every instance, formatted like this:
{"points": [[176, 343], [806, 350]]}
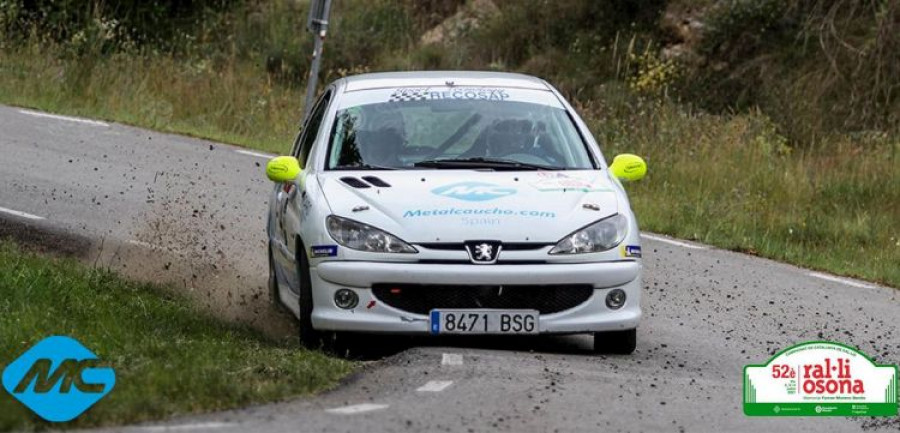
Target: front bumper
{"points": [[374, 316]]}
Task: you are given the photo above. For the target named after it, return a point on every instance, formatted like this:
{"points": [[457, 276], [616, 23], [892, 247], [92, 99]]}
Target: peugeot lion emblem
{"points": [[483, 252]]}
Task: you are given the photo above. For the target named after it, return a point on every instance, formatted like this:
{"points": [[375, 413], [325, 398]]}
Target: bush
{"points": [[819, 66], [155, 22]]}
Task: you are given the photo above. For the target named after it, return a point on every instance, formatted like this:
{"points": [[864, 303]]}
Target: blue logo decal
{"points": [[632, 251], [323, 250], [58, 379], [473, 191]]}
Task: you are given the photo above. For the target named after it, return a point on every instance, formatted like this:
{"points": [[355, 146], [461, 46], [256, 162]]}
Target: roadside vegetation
{"points": [[771, 127], [168, 358]]}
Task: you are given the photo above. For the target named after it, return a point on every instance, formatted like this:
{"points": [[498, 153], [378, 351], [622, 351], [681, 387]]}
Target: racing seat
{"points": [[507, 137], [503, 137], [380, 147]]}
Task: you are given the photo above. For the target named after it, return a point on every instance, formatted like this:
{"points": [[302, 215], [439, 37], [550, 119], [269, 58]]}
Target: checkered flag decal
{"points": [[403, 95]]}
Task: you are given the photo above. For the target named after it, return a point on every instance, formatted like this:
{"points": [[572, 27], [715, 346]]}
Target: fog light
{"points": [[346, 299], [615, 299]]}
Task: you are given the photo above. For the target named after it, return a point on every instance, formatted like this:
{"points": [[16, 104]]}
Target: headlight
{"points": [[599, 236], [363, 237]]}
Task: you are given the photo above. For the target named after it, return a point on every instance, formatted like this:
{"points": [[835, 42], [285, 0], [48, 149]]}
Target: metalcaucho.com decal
{"points": [[820, 378]]}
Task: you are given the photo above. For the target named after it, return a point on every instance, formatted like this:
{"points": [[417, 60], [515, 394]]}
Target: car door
{"points": [[290, 195]]}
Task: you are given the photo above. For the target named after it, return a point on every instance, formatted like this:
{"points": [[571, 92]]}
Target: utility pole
{"points": [[317, 24]]}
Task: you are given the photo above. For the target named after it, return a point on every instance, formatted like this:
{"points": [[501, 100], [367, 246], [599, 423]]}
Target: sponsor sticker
{"points": [[405, 94], [323, 251], [631, 251], [554, 181], [820, 378], [58, 379], [474, 191]]}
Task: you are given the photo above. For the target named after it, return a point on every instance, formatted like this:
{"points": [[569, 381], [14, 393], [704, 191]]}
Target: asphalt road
{"points": [[159, 207], [190, 212]]}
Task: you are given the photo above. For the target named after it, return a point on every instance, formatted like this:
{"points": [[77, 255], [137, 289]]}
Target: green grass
{"points": [[230, 102], [733, 181], [168, 358]]}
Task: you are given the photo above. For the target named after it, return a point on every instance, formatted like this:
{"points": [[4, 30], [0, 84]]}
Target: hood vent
{"points": [[376, 181], [354, 182], [359, 184]]}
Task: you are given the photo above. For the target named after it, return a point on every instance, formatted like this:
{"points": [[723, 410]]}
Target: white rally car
{"points": [[453, 203]]}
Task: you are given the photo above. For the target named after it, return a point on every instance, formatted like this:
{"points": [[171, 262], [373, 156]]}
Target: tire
{"points": [[615, 342], [310, 338]]}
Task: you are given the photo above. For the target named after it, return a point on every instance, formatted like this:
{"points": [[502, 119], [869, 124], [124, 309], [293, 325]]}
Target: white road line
{"points": [[841, 280], [183, 427], [144, 244], [826, 277], [452, 359], [672, 242], [357, 408], [435, 386], [67, 118], [256, 154], [20, 214]]}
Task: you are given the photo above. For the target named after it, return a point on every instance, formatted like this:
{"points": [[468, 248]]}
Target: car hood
{"points": [[459, 205]]}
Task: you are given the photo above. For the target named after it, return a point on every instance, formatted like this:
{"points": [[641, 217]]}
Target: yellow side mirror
{"points": [[628, 167], [283, 169]]}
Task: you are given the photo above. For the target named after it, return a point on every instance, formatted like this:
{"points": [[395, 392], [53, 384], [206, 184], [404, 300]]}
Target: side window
{"points": [[311, 130]]}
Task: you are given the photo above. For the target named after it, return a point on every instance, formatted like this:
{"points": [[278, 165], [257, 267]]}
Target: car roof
{"points": [[383, 80]]}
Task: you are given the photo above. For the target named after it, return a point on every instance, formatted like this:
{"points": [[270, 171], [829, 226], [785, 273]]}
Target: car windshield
{"points": [[453, 128]]}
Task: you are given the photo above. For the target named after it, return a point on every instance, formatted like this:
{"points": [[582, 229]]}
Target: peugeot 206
{"points": [[453, 203]]}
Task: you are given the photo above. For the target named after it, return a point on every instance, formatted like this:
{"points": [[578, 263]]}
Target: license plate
{"points": [[484, 322]]}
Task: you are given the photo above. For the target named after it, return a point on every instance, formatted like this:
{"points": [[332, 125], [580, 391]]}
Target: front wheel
{"points": [[615, 342]]}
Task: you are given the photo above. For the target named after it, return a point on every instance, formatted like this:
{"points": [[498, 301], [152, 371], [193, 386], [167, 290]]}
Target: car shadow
{"points": [[369, 347]]}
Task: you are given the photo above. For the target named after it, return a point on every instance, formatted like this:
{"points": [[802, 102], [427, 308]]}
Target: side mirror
{"points": [[628, 167], [283, 169]]}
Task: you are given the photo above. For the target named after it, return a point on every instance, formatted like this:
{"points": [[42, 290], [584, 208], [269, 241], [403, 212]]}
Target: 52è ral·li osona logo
{"points": [[58, 379], [820, 378]]}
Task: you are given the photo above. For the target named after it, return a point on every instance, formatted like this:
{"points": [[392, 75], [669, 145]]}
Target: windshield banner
{"points": [[447, 93]]}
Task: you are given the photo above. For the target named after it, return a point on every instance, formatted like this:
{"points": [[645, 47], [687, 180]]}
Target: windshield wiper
{"points": [[481, 162], [363, 166]]}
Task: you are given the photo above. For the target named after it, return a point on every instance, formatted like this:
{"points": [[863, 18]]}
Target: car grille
{"points": [[421, 298], [507, 246]]}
